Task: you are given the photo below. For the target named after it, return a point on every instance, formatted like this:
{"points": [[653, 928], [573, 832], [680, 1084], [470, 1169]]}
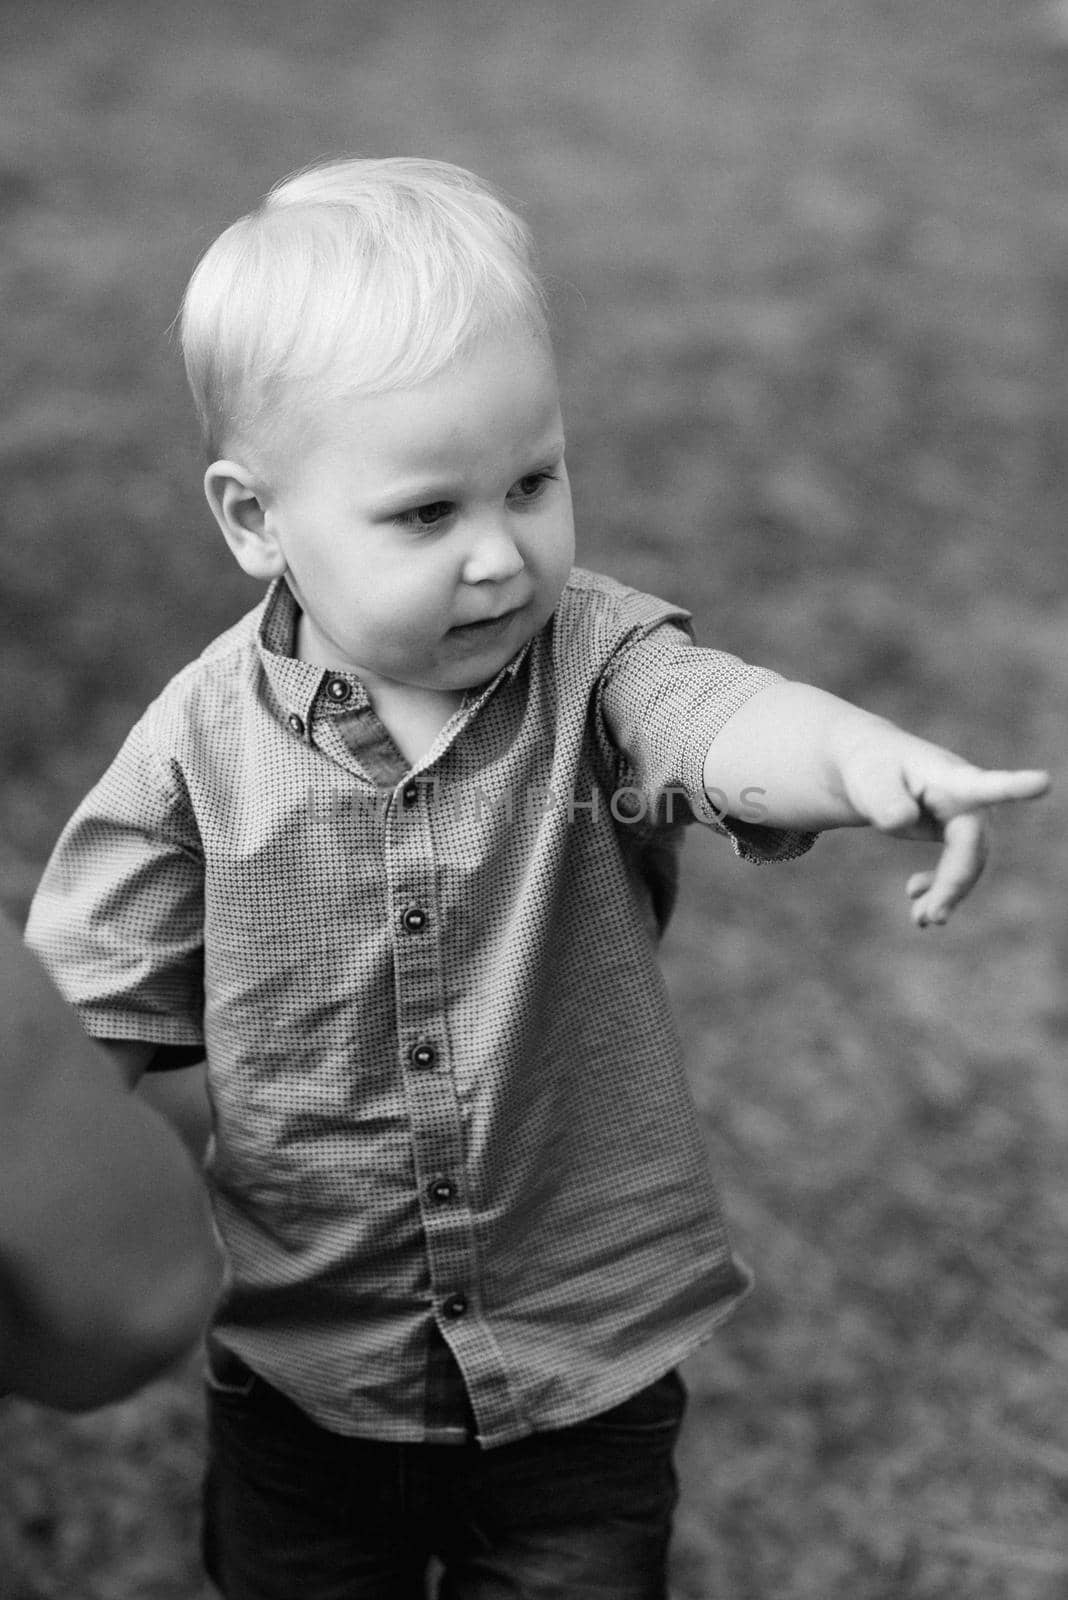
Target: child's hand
{"points": [[823, 763], [915, 790]]}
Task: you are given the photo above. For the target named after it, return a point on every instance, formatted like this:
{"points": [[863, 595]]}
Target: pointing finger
{"points": [[966, 788]]}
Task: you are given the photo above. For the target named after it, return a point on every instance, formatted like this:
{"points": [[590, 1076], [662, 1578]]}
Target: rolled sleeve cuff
{"points": [[762, 846], [178, 1043], [753, 841]]}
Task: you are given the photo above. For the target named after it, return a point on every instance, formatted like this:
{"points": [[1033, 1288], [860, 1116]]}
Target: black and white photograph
{"points": [[533, 869]]}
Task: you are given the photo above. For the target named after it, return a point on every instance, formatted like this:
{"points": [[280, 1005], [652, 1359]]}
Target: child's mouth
{"points": [[488, 628]]}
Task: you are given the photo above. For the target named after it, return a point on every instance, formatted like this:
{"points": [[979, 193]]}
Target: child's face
{"points": [[427, 534]]}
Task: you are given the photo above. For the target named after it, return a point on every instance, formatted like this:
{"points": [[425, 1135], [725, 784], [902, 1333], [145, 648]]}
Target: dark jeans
{"points": [[293, 1512]]}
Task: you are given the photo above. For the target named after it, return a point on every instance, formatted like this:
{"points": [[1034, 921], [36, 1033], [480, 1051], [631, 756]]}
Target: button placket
{"points": [[430, 1087]]}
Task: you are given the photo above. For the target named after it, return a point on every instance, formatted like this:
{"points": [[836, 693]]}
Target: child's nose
{"points": [[493, 555]]}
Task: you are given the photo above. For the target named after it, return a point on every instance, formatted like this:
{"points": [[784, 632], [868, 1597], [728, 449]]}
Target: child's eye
{"points": [[530, 487], [427, 516]]}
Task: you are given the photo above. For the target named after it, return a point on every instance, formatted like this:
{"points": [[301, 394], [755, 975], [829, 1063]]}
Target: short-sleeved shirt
{"points": [[449, 1098]]}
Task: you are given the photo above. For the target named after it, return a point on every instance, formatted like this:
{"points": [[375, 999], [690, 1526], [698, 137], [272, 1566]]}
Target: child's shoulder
{"points": [[240, 635], [599, 613], [222, 670]]}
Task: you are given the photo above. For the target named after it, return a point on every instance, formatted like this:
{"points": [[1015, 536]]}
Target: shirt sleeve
{"points": [[663, 700], [119, 914]]}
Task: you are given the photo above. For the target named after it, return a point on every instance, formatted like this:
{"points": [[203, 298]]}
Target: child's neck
{"points": [[413, 716]]}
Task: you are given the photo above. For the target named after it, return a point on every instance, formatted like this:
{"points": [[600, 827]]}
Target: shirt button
{"points": [[410, 793], [296, 725], [414, 919], [422, 1056], [338, 689], [455, 1306], [442, 1191]]}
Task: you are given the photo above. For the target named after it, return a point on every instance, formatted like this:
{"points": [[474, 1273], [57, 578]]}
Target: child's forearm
{"points": [[818, 762], [798, 747]]}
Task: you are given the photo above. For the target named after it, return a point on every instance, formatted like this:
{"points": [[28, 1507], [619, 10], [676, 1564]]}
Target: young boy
{"points": [[394, 854]]}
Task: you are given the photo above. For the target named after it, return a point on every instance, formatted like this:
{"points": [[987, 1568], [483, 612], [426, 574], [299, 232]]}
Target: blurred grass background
{"points": [[808, 268]]}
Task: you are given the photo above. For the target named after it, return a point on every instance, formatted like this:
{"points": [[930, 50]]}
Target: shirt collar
{"points": [[299, 685]]}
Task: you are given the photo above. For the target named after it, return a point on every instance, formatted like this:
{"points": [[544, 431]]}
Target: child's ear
{"points": [[237, 505]]}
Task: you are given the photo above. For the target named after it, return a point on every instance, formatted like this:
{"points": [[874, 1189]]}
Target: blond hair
{"points": [[355, 276]]}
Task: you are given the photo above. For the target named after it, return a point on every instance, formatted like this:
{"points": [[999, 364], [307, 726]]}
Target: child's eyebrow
{"points": [[409, 492]]}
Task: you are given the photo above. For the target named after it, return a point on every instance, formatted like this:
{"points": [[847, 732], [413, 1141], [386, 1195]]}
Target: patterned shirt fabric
{"points": [[448, 1094]]}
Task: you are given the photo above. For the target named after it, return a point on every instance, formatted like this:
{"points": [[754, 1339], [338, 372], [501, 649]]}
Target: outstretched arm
{"points": [[108, 1264], [823, 763]]}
